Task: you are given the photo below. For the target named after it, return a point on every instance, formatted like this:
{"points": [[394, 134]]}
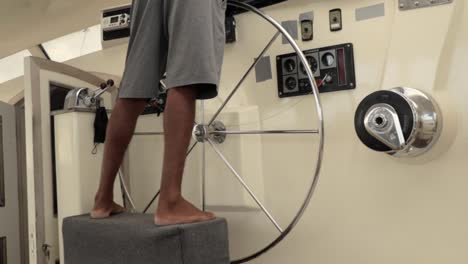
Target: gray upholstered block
{"points": [[133, 238]]}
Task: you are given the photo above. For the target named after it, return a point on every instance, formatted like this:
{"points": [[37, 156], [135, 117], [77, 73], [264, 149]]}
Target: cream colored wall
{"points": [[10, 89], [369, 207]]}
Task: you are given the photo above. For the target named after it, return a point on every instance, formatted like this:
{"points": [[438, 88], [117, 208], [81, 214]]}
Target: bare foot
{"points": [[102, 210], [180, 212]]}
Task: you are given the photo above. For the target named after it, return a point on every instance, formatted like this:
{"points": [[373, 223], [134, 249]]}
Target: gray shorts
{"points": [[184, 38]]}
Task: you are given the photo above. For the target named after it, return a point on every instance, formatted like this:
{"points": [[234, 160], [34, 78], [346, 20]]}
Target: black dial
{"points": [[313, 64], [289, 65], [291, 83]]}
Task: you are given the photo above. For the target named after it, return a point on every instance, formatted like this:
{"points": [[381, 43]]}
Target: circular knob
{"points": [[328, 59], [313, 65], [291, 83], [290, 65]]}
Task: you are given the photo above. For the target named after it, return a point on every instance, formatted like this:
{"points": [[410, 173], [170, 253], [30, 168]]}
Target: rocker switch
{"points": [[307, 30], [336, 23]]}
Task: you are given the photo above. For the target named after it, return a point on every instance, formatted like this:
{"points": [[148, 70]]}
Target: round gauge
{"points": [[291, 83], [328, 59], [313, 64], [289, 65]]}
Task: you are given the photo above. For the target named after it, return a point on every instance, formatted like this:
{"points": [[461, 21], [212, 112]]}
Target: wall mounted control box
{"points": [[115, 23], [232, 10], [230, 27], [333, 66]]}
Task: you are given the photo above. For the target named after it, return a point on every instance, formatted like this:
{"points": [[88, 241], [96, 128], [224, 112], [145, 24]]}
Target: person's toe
{"points": [[100, 212], [210, 215], [117, 209]]}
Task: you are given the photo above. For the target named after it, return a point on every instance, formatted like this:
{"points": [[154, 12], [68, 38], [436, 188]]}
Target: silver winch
{"points": [[82, 98], [401, 122]]}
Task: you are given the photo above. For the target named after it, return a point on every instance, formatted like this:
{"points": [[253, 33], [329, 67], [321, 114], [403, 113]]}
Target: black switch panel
{"points": [[232, 10], [336, 21], [230, 26], [156, 105], [2, 172], [333, 66], [117, 34], [3, 250]]}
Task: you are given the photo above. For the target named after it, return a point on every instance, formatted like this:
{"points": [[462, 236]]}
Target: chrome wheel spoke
{"points": [[151, 202], [191, 148], [203, 163], [149, 134], [126, 191], [246, 187], [262, 132], [161, 133], [244, 77]]}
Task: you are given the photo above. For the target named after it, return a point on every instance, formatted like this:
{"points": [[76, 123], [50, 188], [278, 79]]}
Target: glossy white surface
{"points": [[77, 169]]}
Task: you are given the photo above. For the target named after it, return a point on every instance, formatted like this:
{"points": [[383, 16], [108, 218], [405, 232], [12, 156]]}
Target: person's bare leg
{"points": [[179, 118], [119, 133]]}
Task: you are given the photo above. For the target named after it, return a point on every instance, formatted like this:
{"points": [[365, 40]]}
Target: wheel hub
{"points": [[202, 133]]}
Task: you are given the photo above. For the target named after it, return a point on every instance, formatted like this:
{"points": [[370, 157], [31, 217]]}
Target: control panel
{"points": [[116, 22], [232, 10], [333, 68]]}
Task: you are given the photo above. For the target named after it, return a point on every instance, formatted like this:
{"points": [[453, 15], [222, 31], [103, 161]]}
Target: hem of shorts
{"points": [[180, 83], [204, 93], [129, 96]]}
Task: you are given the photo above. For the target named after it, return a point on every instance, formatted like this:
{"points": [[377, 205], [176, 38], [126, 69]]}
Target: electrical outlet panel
{"points": [[332, 66]]}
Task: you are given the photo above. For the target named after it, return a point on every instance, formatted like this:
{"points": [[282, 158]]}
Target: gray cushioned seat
{"points": [[133, 238]]}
